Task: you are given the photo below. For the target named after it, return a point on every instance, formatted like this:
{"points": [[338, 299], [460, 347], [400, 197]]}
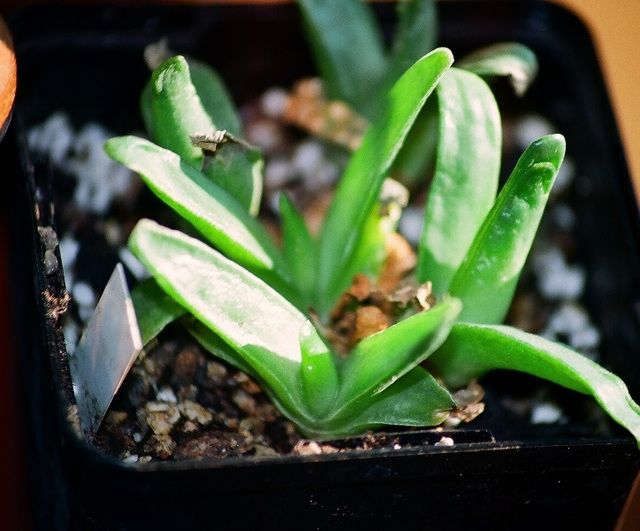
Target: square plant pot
{"points": [[501, 473]]}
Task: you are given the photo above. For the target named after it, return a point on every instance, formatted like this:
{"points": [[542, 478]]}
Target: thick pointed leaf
{"points": [[347, 44], [370, 251], [177, 110], [214, 344], [319, 371], [217, 290], [511, 59], [359, 188], [298, 248], [487, 278], [416, 35], [416, 157], [215, 97], [217, 215], [188, 98], [154, 309], [416, 399], [381, 359], [288, 398], [465, 183], [472, 350], [240, 171], [256, 321]]}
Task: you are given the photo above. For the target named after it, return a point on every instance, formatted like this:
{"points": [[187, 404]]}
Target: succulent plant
{"points": [[275, 311]]}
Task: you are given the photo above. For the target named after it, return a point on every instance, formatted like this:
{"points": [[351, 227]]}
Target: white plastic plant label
{"points": [[105, 353]]}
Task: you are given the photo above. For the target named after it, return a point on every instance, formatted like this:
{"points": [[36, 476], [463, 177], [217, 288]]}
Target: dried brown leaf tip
{"points": [[400, 260], [364, 309], [469, 404], [309, 109]]}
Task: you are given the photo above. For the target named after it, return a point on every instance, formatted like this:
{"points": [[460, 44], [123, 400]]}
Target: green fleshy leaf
{"points": [[261, 325], [154, 309], [177, 110], [209, 208], [465, 183], [188, 98], [472, 350], [319, 372], [298, 247], [360, 186], [210, 89], [349, 53], [215, 97], [370, 252], [293, 404], [416, 156], [487, 278], [511, 59], [217, 290], [214, 344], [381, 359], [416, 399], [238, 170]]}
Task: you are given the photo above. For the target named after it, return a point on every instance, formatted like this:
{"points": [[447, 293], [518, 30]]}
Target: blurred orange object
{"points": [[7, 76]]}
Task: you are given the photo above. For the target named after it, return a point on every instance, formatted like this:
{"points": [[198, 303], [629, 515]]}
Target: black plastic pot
{"points": [[88, 61]]}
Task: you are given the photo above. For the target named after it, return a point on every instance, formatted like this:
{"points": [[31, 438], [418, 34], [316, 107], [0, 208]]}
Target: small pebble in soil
{"points": [[556, 278], [85, 298], [161, 417], [50, 262], [313, 448], [195, 412], [49, 238], [546, 413], [278, 173], [563, 216], [265, 134], [68, 248], [274, 102], [53, 137], [410, 225], [571, 323], [162, 446], [530, 128], [166, 394], [445, 441]]}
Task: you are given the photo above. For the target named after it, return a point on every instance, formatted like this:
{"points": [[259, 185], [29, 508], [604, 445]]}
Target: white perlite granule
{"points": [[81, 155], [411, 222], [530, 128], [83, 294], [546, 413], [274, 102], [556, 278], [54, 137], [571, 324]]}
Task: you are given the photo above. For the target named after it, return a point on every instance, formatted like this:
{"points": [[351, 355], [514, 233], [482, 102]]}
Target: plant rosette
{"points": [[335, 328], [341, 338]]}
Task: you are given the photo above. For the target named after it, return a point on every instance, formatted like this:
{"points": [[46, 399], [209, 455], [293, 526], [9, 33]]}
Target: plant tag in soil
{"points": [[105, 353]]}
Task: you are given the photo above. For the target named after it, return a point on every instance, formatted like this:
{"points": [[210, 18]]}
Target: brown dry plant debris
{"points": [[309, 109], [364, 309]]}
